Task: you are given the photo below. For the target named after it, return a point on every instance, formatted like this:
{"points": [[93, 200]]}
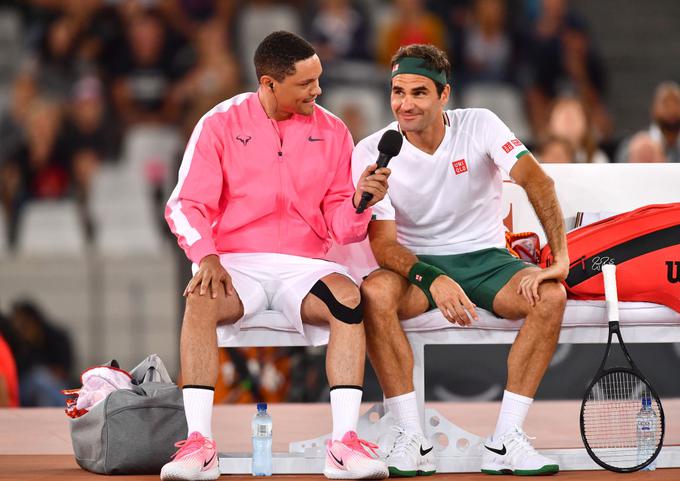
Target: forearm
{"points": [[393, 256], [344, 224], [544, 200]]}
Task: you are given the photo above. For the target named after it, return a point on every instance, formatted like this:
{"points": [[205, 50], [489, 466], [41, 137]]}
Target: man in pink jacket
{"points": [[264, 187]]}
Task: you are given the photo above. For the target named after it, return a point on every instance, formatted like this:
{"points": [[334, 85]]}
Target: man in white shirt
{"points": [[439, 240]]}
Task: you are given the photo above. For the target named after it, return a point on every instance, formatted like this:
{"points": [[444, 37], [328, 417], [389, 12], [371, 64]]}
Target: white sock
{"points": [[514, 409], [404, 409], [345, 404], [198, 406]]}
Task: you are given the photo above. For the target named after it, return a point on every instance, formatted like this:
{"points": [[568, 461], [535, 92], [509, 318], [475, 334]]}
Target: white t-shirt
{"points": [[448, 202]]}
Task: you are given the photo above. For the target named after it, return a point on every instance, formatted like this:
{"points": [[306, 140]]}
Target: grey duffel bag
{"points": [[132, 431]]}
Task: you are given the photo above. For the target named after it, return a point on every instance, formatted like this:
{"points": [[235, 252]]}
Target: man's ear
{"points": [[267, 82], [444, 99]]}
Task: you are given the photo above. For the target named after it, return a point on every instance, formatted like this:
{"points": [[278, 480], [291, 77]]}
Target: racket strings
{"points": [[610, 417]]}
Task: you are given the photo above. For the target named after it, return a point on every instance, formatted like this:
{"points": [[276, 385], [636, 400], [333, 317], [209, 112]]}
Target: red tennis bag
{"points": [[645, 246]]}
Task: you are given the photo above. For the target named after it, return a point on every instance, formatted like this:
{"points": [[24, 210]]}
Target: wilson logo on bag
{"points": [[645, 246]]}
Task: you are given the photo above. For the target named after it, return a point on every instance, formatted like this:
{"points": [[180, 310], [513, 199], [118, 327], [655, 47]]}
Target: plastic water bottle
{"points": [[262, 441], [647, 424]]}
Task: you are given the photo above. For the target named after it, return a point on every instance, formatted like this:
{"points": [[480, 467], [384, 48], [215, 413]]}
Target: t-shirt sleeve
{"points": [[502, 146], [362, 157]]}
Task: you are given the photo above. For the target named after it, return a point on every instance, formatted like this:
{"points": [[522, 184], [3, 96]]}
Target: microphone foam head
{"points": [[390, 143]]}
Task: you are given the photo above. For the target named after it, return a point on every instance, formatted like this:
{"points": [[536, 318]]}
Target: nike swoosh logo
{"points": [[206, 463], [312, 139], [423, 452], [339, 461], [497, 451]]}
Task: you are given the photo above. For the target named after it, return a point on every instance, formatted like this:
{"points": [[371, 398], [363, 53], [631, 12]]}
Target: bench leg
{"points": [[419, 377]]}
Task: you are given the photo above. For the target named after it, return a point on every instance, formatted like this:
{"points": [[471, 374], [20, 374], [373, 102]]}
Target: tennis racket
{"points": [[622, 420]]}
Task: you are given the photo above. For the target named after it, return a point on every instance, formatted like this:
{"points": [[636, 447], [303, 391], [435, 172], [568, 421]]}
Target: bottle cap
{"points": [[261, 407], [646, 402]]}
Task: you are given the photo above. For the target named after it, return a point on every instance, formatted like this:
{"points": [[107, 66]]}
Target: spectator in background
{"points": [[145, 75], [569, 119], [13, 141], [563, 60], [12, 196], [88, 123], [665, 128], [58, 62], [256, 17], [340, 32], [644, 148], [556, 150], [411, 23], [12, 121], [42, 158], [488, 47], [215, 77], [44, 357], [38, 168], [90, 136], [189, 16]]}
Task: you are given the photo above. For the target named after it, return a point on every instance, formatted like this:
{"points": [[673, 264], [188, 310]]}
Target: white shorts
{"points": [[276, 282]]}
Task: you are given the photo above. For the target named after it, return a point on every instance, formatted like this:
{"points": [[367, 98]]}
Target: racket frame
{"points": [[609, 273]]}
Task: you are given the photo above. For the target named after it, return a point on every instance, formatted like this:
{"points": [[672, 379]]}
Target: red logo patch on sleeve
{"points": [[516, 142], [459, 166], [507, 147]]}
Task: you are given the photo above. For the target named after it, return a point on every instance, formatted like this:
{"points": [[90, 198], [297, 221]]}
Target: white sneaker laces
{"points": [[518, 444], [405, 443]]}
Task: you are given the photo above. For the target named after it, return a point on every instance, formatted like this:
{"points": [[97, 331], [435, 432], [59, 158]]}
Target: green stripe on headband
{"points": [[415, 65]]}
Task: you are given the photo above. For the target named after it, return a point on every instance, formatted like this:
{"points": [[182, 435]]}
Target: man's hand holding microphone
{"points": [[372, 185]]}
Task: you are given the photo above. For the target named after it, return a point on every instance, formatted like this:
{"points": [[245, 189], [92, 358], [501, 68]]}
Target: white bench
{"points": [[580, 187]]}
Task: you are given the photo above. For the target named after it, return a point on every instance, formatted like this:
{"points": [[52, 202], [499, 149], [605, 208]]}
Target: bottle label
{"points": [[262, 430]]}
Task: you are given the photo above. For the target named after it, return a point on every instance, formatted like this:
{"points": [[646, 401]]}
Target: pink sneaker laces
{"points": [[353, 441], [192, 444]]}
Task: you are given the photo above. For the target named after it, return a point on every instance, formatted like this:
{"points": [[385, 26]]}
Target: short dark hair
{"points": [[278, 52], [435, 59]]}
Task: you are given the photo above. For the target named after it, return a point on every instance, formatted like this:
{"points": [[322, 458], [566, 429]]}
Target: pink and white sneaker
{"points": [[348, 459], [195, 460]]}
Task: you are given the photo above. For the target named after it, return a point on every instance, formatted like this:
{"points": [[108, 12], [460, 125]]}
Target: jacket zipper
{"points": [[280, 200]]}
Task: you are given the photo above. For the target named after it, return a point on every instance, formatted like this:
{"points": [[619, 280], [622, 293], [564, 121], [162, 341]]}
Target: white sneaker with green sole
{"points": [[512, 453], [411, 455]]}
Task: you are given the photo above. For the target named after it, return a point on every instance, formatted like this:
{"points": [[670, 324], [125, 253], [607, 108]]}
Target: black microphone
{"points": [[388, 147]]}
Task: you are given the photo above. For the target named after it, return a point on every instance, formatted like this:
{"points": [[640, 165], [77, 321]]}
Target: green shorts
{"points": [[481, 273]]}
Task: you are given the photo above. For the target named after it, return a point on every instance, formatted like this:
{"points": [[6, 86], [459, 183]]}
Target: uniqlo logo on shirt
{"points": [[516, 142], [459, 166], [508, 147]]}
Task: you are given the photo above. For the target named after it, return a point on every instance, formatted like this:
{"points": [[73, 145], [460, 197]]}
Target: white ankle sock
{"points": [[514, 409], [198, 406], [404, 409], [345, 404]]}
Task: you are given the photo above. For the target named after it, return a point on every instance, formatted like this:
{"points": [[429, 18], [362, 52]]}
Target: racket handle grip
{"points": [[610, 292]]}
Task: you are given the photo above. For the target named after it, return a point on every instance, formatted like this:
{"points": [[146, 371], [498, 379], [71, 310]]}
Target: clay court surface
{"points": [[35, 443]]}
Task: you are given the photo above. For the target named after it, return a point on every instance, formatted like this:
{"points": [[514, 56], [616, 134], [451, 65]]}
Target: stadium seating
{"points": [[51, 228]]}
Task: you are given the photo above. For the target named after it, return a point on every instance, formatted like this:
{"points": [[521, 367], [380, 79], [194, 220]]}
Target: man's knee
{"points": [[343, 300], [553, 299], [204, 309], [380, 290]]}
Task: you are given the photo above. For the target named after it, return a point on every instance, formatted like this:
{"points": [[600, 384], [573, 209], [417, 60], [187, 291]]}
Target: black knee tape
{"points": [[348, 315]]}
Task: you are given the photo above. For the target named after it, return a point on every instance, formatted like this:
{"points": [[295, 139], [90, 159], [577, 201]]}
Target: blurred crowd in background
{"points": [[80, 80]]}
